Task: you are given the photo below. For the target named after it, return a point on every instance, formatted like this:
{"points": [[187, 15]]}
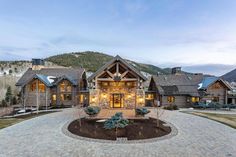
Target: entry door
{"points": [[117, 100]]}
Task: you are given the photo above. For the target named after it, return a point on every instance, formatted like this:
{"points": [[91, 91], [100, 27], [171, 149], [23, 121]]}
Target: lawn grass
{"points": [[5, 122], [227, 119]]}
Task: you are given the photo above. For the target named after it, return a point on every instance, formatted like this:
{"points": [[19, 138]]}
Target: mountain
{"points": [[230, 76], [91, 61]]}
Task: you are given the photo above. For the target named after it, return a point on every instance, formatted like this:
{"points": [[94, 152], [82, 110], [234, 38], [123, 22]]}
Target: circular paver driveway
{"points": [[43, 137]]}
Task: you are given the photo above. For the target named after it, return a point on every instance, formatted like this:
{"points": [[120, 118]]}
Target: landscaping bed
{"points": [[136, 130]]}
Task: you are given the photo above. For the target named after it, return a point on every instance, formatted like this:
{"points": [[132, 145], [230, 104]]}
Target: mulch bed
{"points": [[136, 130]]}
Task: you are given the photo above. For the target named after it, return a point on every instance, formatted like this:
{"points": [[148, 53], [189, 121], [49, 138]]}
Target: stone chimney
{"points": [[176, 70], [37, 64]]}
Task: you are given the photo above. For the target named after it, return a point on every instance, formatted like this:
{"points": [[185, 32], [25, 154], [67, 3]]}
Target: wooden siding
{"points": [[180, 101], [218, 89]]}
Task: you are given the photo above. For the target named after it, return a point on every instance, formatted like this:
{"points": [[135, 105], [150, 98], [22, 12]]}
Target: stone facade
{"points": [[117, 85], [131, 97]]}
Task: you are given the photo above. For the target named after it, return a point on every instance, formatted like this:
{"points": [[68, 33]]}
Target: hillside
{"points": [[11, 71], [91, 61], [230, 76]]}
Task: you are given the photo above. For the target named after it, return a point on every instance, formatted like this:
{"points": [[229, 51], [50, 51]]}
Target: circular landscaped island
{"points": [[137, 129]]}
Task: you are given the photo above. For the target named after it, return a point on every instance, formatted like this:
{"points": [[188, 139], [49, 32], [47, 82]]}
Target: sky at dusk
{"points": [[198, 35]]}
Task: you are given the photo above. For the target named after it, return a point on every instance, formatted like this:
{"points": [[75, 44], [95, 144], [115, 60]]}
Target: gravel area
{"points": [[43, 136]]}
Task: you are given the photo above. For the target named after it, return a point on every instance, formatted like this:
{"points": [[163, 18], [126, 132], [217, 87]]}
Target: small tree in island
{"points": [[141, 111], [115, 122], [92, 110]]}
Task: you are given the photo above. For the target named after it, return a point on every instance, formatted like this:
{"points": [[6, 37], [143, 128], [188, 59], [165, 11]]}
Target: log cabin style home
{"points": [[184, 89], [117, 85], [45, 87]]}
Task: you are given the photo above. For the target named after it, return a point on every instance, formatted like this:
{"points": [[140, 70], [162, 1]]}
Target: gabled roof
{"points": [[209, 80], [184, 84], [183, 79], [43, 78], [117, 58], [74, 75], [64, 77]]}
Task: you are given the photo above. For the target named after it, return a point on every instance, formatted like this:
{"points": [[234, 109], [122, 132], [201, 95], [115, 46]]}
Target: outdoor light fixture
{"points": [[140, 100], [93, 99], [117, 78], [104, 96]]}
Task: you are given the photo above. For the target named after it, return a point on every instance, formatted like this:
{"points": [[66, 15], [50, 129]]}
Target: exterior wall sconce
{"points": [[93, 99], [104, 96], [140, 100]]}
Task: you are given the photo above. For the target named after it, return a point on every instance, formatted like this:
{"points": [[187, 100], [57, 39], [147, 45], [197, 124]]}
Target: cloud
{"points": [[134, 7], [213, 69], [11, 48], [80, 40], [7, 56]]}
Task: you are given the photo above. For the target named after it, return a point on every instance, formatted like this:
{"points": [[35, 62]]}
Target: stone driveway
{"points": [[43, 137]]}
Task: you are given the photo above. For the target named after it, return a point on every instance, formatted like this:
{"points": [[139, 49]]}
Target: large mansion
{"points": [[118, 84]]}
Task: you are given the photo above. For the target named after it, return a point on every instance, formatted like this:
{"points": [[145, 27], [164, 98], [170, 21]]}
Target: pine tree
{"points": [[10, 72], [8, 96], [16, 70], [4, 104], [14, 100]]}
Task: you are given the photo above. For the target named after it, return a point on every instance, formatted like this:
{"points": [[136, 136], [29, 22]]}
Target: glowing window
{"points": [[54, 97], [149, 96], [104, 83], [66, 97], [41, 86], [65, 86], [170, 99], [81, 98], [215, 99], [195, 99]]}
